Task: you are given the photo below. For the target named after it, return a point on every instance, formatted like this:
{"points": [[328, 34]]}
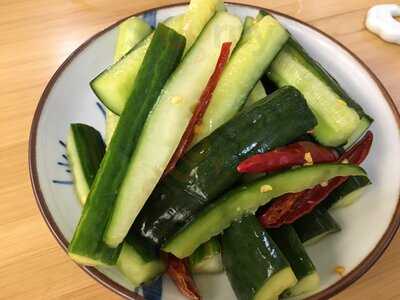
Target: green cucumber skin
{"points": [[331, 131], [91, 147], [290, 244], [316, 224], [209, 168], [88, 236], [246, 199], [352, 184], [250, 257], [206, 251]]}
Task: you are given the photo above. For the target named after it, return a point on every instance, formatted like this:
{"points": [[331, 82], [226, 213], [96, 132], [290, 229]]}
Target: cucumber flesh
{"points": [[130, 33], [209, 168], [307, 284], [290, 244], [115, 84], [362, 127], [161, 59], [255, 266], [137, 260], [135, 269], [314, 226], [167, 122], [246, 199], [256, 94], [347, 193], [254, 53], [336, 120], [207, 258], [85, 149]]}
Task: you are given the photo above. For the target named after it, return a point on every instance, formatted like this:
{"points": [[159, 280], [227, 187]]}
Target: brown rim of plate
{"points": [[340, 285]]}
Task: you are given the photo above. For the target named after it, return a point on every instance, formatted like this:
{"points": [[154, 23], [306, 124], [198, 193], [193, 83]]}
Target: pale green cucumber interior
{"points": [[81, 185], [307, 284], [275, 285], [255, 51], [135, 268], [349, 198], [211, 264], [336, 120], [246, 199], [167, 122]]}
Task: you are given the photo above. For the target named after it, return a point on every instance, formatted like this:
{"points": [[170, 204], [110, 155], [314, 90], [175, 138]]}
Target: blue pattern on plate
{"points": [[153, 290], [151, 18]]}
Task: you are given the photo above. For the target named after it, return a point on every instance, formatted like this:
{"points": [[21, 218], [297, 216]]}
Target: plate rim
{"points": [[332, 290]]}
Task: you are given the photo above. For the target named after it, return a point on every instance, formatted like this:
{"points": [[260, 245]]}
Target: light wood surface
{"points": [[35, 38]]}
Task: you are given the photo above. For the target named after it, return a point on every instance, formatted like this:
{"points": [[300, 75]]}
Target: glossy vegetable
{"points": [[338, 115], [139, 261], [85, 149], [130, 33], [255, 51], [207, 258], [289, 243], [298, 153], [87, 246], [256, 267], [167, 122], [246, 199], [181, 276], [315, 225], [289, 208], [115, 84], [201, 107], [209, 169], [347, 193]]}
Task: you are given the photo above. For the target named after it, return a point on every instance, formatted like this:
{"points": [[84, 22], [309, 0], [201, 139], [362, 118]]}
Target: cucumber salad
{"points": [[226, 147]]}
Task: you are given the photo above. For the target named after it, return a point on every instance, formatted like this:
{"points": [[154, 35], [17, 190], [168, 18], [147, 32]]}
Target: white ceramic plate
{"points": [[368, 226]]}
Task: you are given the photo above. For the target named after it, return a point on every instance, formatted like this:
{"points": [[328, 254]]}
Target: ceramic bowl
{"points": [[368, 226]]}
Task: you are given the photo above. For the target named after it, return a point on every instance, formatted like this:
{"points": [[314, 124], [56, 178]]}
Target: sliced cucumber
{"points": [[249, 60], [256, 94], [139, 261], [167, 123], [315, 225], [256, 267], [209, 169], [87, 245], [130, 33], [114, 85], [338, 115], [85, 149], [207, 258], [246, 199], [363, 126], [289, 243], [347, 193]]}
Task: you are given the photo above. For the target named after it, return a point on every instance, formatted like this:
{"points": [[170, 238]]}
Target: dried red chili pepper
{"points": [[201, 107], [179, 272], [290, 207], [287, 156]]}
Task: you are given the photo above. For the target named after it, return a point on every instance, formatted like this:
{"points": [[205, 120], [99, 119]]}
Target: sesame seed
{"points": [[345, 161], [341, 102], [308, 158], [197, 129], [176, 99], [265, 188], [340, 270], [324, 183]]}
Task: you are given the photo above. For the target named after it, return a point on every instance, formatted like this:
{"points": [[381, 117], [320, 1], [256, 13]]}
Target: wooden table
{"points": [[35, 38]]}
